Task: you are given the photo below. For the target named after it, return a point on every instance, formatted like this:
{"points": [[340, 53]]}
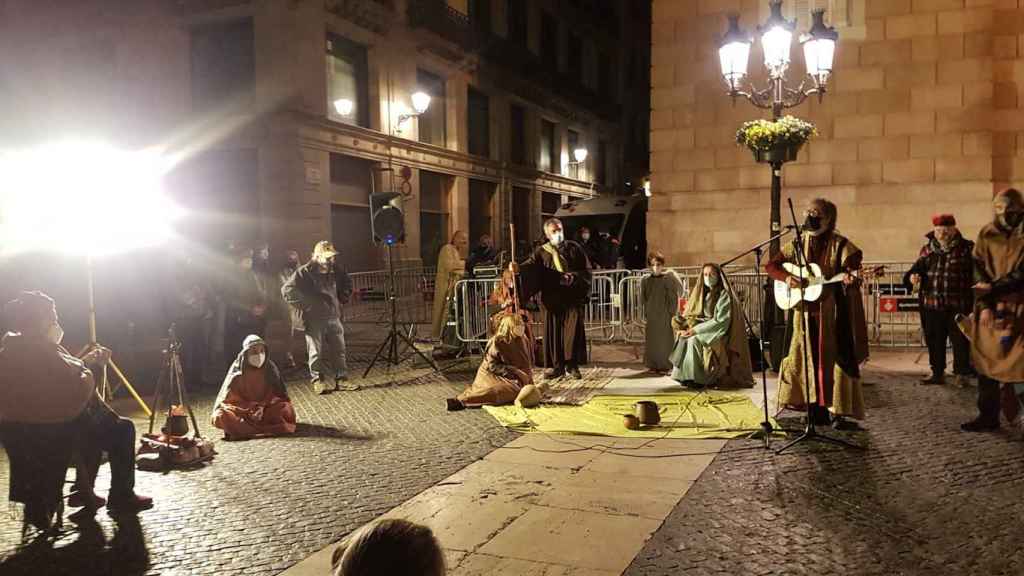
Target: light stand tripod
{"points": [[394, 334], [810, 372], [758, 251], [104, 386]]}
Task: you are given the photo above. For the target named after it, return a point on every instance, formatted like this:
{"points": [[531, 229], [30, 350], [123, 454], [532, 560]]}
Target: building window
{"points": [[521, 217], [518, 27], [479, 120], [517, 134], [575, 57], [347, 97], [573, 139], [481, 209], [549, 40], [223, 63], [480, 17], [548, 147], [600, 163], [434, 215], [432, 122]]}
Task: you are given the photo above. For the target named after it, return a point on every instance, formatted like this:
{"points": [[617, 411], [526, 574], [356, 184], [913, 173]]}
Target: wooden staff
{"points": [[515, 291]]}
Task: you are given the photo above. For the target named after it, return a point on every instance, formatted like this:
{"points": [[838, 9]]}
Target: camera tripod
{"points": [[391, 342]]}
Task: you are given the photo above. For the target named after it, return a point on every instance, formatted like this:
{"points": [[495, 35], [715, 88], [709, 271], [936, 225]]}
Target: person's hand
{"points": [[987, 317], [849, 279], [98, 356], [982, 288], [915, 279], [513, 267], [568, 279], [794, 282], [685, 333]]}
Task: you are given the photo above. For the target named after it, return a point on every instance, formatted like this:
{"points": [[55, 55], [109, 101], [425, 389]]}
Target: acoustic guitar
{"points": [[787, 297]]}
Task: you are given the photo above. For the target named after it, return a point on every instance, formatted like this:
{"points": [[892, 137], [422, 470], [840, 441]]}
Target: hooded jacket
{"points": [[41, 382], [317, 296], [273, 375]]}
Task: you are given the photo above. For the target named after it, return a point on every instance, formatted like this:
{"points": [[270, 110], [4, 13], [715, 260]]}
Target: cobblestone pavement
{"points": [[924, 498], [263, 505]]}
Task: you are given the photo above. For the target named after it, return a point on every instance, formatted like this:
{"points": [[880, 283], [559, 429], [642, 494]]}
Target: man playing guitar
{"points": [[834, 324]]}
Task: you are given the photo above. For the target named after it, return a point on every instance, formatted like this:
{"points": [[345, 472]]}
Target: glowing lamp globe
{"points": [[819, 46], [734, 53], [580, 154], [344, 106], [420, 102]]}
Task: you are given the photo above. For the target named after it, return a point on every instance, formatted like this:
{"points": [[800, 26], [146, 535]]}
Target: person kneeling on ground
{"points": [[42, 383], [253, 402], [507, 366], [391, 546], [711, 347]]}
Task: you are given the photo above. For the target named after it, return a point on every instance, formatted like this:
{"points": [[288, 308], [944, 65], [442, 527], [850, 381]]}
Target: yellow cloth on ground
{"points": [[707, 414]]}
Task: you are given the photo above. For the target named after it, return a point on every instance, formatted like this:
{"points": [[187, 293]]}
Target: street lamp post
{"points": [[776, 34]]}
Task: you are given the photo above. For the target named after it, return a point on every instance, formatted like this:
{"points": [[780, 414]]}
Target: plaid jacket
{"points": [[946, 275]]}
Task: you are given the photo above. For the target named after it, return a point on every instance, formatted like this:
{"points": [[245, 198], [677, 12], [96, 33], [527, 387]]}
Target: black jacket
{"points": [[317, 296]]}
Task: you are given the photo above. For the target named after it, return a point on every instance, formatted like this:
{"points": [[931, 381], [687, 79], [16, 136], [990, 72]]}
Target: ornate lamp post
{"points": [[819, 45]]}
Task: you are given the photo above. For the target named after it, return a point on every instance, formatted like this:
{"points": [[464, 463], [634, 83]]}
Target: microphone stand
{"points": [[758, 251], [810, 371]]}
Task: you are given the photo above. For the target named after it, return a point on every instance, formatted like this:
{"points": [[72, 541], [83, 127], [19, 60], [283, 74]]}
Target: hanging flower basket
{"points": [[775, 141]]}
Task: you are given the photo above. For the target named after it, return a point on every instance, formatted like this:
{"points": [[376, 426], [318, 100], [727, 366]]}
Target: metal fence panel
{"points": [[413, 291]]}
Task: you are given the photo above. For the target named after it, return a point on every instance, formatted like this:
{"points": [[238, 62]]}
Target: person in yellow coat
{"points": [[450, 268]]}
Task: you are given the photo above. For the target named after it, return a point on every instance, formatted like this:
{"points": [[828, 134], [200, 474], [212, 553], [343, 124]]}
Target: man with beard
{"points": [[835, 326], [317, 289], [560, 271], [944, 274], [996, 329]]}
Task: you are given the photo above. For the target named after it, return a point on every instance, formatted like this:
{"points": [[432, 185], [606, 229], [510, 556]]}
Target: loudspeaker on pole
{"points": [[387, 223]]}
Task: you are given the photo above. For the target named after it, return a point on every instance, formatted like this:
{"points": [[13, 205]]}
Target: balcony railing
{"points": [[445, 21]]}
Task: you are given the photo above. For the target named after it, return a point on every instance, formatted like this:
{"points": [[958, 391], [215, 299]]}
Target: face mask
{"points": [[293, 263], [55, 334], [264, 254], [585, 236], [557, 238], [247, 263], [1010, 220], [710, 281], [257, 360], [812, 223]]}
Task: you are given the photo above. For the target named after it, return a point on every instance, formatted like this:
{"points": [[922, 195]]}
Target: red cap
{"points": [[943, 220]]}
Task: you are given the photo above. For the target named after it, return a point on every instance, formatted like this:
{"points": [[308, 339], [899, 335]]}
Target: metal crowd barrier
{"points": [[414, 296]]}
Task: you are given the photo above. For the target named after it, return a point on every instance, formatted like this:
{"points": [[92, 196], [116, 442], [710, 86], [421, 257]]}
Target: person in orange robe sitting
{"points": [[253, 402]]}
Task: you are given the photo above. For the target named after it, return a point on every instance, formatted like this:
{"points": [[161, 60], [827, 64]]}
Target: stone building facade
{"points": [[249, 94], [923, 115]]}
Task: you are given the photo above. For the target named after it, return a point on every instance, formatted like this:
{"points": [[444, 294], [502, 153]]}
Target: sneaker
{"points": [[129, 504], [552, 373], [934, 380], [86, 500], [979, 425], [341, 384], [321, 387], [453, 405], [575, 372]]}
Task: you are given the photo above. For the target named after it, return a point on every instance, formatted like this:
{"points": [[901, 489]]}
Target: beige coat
{"points": [[450, 268]]}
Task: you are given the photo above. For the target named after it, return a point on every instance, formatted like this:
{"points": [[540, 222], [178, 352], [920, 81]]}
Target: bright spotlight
{"points": [[83, 198], [344, 106]]}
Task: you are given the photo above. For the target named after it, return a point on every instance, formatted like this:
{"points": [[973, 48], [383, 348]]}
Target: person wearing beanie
{"points": [[942, 277]]}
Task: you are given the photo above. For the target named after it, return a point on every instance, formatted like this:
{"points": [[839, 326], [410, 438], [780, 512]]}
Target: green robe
{"points": [[697, 358]]}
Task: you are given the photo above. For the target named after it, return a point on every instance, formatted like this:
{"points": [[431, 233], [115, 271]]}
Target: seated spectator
{"points": [[42, 383], [253, 402], [391, 546]]}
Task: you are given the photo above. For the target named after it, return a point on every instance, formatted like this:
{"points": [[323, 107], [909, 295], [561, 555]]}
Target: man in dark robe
{"points": [[560, 271]]}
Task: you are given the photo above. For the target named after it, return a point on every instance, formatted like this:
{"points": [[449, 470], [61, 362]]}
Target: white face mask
{"points": [[55, 333], [585, 236], [710, 281], [257, 360], [556, 238], [247, 263]]}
